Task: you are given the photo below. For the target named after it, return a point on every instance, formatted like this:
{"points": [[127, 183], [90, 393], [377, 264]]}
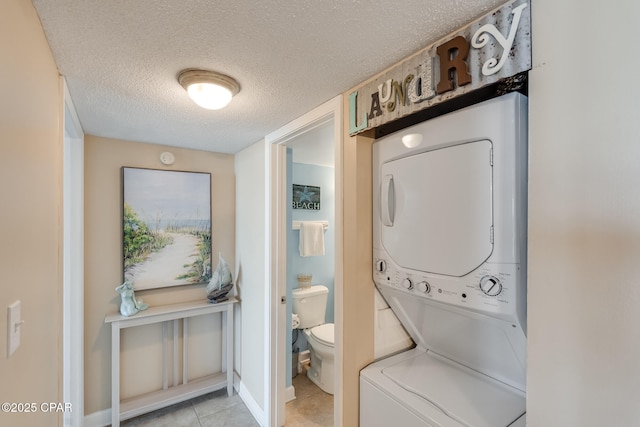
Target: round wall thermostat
{"points": [[167, 158]]}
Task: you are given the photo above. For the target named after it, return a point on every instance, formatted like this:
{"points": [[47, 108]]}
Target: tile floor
{"points": [[211, 410], [311, 408]]}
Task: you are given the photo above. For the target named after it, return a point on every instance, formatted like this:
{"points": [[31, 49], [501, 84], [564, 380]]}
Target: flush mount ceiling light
{"points": [[208, 89]]}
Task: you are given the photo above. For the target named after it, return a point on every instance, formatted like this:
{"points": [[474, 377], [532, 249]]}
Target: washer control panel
{"points": [[492, 288]]}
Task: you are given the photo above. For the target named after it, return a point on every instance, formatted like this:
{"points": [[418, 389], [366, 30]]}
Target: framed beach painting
{"points": [[166, 227]]}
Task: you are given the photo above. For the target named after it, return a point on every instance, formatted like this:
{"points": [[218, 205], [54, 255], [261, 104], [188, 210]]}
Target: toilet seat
{"points": [[324, 334]]}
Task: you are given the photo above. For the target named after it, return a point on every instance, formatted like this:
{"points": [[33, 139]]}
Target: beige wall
{"points": [[584, 215], [141, 360], [358, 288], [357, 273], [30, 230]]}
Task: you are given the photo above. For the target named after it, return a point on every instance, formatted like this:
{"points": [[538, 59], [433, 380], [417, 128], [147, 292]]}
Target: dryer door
{"points": [[436, 209]]}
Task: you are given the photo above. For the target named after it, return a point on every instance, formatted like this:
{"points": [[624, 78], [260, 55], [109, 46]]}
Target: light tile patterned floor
{"points": [[311, 408], [211, 410]]}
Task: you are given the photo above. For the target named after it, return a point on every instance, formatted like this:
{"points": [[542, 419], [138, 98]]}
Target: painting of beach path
{"points": [[166, 222]]}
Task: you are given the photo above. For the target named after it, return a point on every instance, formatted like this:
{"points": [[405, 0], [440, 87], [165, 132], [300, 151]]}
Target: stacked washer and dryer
{"points": [[450, 203]]}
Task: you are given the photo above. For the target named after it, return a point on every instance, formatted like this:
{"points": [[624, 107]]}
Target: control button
{"points": [[381, 266], [491, 286], [406, 283], [424, 287]]}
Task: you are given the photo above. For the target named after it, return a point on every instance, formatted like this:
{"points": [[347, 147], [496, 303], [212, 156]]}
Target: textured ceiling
{"points": [[121, 58]]}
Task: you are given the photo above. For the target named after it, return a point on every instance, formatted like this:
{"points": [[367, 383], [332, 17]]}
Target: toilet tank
{"points": [[310, 305]]}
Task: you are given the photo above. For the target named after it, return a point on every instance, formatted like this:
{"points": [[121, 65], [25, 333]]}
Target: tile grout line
{"points": [[193, 407]]}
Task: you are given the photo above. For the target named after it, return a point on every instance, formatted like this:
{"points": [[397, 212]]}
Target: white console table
{"points": [[176, 392]]}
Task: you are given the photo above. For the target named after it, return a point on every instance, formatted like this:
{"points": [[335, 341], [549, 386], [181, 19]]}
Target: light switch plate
{"points": [[14, 324]]}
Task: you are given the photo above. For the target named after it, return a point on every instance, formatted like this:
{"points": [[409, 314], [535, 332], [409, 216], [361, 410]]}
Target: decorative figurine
{"points": [[129, 305], [221, 282]]}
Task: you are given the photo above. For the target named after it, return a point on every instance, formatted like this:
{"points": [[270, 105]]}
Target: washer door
{"points": [[464, 395], [436, 209]]}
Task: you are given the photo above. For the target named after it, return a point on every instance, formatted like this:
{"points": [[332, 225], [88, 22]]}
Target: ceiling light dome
{"points": [[208, 89]]}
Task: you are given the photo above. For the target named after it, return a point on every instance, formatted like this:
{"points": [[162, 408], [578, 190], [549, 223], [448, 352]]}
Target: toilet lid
{"points": [[324, 333]]}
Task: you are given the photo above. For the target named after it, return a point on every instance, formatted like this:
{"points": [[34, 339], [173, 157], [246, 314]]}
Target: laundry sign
{"points": [[306, 197], [489, 50]]}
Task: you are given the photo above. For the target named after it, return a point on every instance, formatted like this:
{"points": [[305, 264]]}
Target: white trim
{"points": [[280, 249], [276, 269], [252, 405], [70, 113], [236, 382], [290, 393], [338, 310], [73, 260], [309, 121], [271, 363], [275, 369]]}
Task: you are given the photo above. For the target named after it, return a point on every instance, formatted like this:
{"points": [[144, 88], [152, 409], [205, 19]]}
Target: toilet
{"points": [[310, 305]]}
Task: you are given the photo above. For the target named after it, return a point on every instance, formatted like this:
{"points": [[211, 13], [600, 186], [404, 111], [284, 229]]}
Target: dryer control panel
{"points": [[491, 289]]}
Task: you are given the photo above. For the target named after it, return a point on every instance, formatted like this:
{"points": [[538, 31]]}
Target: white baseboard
{"points": [[289, 394], [252, 405], [236, 382]]}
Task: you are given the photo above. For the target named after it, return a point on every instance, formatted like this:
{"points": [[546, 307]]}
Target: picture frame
{"points": [[166, 227], [306, 197]]}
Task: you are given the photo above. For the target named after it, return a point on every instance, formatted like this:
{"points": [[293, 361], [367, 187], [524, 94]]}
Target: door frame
{"points": [[73, 259], [276, 309]]}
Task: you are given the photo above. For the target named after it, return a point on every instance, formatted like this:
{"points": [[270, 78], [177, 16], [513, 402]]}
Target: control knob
{"points": [[491, 286], [424, 286], [381, 266], [407, 284]]}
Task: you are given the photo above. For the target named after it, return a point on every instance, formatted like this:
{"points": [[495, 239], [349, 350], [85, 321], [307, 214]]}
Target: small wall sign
{"points": [[306, 197]]}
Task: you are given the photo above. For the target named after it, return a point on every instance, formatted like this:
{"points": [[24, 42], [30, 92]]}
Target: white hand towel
{"points": [[311, 239]]}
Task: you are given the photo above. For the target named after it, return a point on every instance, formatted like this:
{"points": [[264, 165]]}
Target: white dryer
{"points": [[449, 247]]}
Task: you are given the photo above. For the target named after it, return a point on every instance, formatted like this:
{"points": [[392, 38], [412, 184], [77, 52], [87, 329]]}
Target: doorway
{"points": [[310, 177], [301, 136]]}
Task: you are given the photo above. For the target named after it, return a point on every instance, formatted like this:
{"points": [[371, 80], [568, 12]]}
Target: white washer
{"points": [[420, 388], [450, 260]]}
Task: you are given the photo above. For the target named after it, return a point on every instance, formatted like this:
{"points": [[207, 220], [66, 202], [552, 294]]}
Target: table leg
{"points": [[115, 374], [229, 349]]}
